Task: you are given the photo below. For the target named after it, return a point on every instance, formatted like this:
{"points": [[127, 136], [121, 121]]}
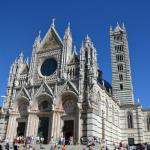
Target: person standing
{"points": [[64, 147]]}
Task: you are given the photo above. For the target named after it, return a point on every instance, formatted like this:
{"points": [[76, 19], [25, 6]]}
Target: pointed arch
{"points": [[130, 119]]}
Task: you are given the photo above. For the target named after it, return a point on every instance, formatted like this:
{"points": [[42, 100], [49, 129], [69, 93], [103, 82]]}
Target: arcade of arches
{"points": [[44, 118]]}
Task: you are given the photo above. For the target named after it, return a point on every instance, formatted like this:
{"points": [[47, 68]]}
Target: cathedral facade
{"points": [[63, 93]]}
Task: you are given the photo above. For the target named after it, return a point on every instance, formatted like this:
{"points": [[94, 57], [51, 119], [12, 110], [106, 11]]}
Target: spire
{"points": [[37, 40], [123, 26], [39, 36], [68, 28], [138, 101], [110, 28], [87, 41], [20, 59], [87, 37], [67, 44], [75, 49], [118, 28], [68, 32], [21, 54], [27, 60], [53, 23]]}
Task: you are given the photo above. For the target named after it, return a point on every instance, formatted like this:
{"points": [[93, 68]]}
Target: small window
{"points": [[130, 119], [120, 77], [119, 58], [120, 67], [121, 86], [118, 37], [86, 56], [119, 48], [148, 122]]}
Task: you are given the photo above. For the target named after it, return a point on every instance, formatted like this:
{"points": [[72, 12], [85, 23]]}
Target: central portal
{"points": [[43, 128], [68, 130], [21, 129]]}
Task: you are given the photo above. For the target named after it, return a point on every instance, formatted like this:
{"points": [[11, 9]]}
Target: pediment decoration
{"points": [[69, 86], [44, 89], [51, 40], [23, 93], [69, 106]]}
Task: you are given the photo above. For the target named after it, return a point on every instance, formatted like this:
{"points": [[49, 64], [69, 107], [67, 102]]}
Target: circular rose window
{"points": [[48, 67]]}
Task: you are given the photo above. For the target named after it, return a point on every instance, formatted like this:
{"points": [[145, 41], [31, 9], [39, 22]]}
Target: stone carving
{"points": [[69, 106], [23, 109]]}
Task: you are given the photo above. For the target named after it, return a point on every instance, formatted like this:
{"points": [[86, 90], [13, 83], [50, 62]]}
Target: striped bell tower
{"points": [[121, 72]]}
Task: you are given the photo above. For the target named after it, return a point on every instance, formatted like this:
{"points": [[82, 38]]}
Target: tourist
{"points": [[71, 140], [7, 146], [61, 140], [42, 140], [64, 147], [121, 147]]}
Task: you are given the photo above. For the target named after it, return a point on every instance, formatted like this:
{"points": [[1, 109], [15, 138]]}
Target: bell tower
{"points": [[121, 72]]}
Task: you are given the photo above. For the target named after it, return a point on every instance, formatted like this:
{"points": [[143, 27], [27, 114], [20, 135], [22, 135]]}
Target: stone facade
{"points": [[62, 93]]}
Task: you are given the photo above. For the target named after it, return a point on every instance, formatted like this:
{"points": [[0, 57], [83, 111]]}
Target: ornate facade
{"points": [[63, 93]]}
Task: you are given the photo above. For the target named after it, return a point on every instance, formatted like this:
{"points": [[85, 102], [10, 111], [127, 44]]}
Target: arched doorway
{"points": [[23, 117], [70, 117], [44, 114]]}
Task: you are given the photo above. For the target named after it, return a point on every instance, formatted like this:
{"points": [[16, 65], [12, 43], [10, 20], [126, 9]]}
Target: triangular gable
{"points": [[25, 69], [51, 40], [23, 93], [69, 86], [74, 58], [44, 89]]}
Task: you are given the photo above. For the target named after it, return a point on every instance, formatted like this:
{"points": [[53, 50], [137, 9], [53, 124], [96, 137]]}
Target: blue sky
{"points": [[20, 21]]}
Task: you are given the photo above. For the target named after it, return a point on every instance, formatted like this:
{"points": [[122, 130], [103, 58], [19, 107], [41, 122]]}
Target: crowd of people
{"points": [[28, 143], [121, 146]]}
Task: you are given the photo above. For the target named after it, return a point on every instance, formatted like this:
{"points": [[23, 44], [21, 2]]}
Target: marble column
{"points": [[32, 125], [12, 127], [79, 126]]}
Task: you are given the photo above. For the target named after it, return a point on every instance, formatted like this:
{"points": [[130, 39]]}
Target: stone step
{"points": [[50, 147]]}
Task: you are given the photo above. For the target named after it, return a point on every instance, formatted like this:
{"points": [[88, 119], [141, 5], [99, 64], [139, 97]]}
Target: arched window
{"points": [[130, 119], [121, 86], [119, 58], [120, 77], [148, 122], [120, 67], [119, 48]]}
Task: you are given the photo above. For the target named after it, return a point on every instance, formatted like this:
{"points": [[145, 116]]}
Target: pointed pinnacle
{"points": [[123, 26], [69, 25], [87, 36], [110, 28], [117, 23], [74, 49], [53, 23], [21, 54], [39, 33]]}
